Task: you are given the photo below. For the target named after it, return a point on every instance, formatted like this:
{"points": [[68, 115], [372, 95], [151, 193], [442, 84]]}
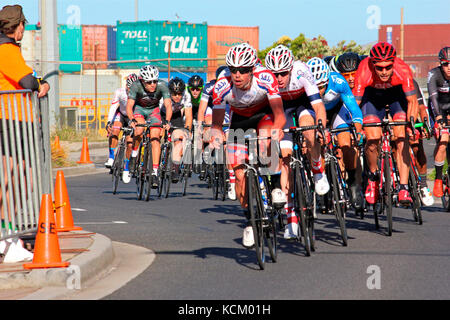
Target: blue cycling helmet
{"points": [[319, 70]]}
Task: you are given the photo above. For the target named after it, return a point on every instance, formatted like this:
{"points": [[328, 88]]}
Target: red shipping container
{"points": [[222, 38], [95, 35]]}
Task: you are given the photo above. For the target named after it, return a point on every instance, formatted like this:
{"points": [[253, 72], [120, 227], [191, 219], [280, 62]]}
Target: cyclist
{"points": [[253, 95], [117, 117], [439, 102], [419, 152], [341, 110], [301, 100], [385, 80], [181, 117], [145, 94], [347, 64], [195, 88]]}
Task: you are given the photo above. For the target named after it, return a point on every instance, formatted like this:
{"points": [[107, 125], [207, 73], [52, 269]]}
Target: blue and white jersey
{"points": [[338, 90], [208, 91]]}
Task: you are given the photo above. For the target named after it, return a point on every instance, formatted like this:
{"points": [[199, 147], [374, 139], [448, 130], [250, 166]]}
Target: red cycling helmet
{"points": [[382, 52], [444, 54]]}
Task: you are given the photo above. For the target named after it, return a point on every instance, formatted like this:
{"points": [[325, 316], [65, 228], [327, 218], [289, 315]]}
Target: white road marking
{"points": [[78, 209]]}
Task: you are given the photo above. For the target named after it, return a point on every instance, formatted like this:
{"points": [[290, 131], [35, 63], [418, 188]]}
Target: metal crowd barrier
{"points": [[25, 160]]}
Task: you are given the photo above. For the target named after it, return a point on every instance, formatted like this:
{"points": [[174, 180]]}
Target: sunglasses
{"points": [[349, 74], [151, 82], [196, 88], [387, 68], [445, 64], [177, 93], [322, 85], [283, 74], [242, 70]]}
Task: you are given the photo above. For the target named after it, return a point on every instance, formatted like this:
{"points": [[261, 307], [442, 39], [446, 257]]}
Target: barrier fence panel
{"points": [[25, 160]]}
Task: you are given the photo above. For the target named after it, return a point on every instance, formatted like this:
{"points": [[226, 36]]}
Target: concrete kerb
{"points": [[90, 263]]}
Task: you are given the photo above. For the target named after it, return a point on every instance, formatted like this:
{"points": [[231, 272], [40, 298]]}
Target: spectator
{"points": [[14, 75]]}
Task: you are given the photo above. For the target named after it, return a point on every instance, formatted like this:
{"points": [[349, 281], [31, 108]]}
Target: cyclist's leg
{"points": [[398, 113], [350, 156], [373, 134], [113, 139], [155, 138]]}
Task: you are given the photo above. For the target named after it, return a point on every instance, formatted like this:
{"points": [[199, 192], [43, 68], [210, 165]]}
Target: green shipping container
{"points": [[133, 42], [151, 39], [70, 47]]}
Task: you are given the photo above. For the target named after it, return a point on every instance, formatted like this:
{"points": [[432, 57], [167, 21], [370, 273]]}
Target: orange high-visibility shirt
{"points": [[12, 69]]}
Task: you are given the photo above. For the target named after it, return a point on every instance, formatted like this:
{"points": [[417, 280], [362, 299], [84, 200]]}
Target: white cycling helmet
{"points": [[319, 70], [149, 73], [242, 55], [279, 59]]}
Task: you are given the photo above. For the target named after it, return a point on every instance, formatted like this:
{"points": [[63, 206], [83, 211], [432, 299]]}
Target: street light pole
{"points": [[136, 9]]}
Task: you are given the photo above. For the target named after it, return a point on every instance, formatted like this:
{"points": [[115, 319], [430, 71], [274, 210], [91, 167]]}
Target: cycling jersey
{"points": [[339, 95], [177, 109], [119, 104], [367, 77], [263, 88], [207, 92], [438, 91], [145, 99], [301, 82], [419, 93]]}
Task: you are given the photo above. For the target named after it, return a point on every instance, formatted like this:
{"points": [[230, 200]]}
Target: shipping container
{"points": [[133, 42], [95, 45], [31, 44], [163, 75], [146, 40], [112, 46], [422, 43], [183, 40], [70, 47], [222, 38]]}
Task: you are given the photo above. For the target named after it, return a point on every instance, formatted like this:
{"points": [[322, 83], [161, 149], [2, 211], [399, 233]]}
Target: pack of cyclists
{"points": [[345, 91]]}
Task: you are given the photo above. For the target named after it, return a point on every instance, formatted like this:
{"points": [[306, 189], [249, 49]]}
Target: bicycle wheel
{"points": [[413, 186], [256, 207], [336, 189], [270, 224], [387, 187], [117, 168], [446, 197], [300, 208], [168, 172], [214, 175], [162, 169], [147, 168], [184, 178], [140, 179]]}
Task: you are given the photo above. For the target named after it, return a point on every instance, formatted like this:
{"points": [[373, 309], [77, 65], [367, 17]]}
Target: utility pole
{"points": [[136, 10], [402, 35], [50, 52]]}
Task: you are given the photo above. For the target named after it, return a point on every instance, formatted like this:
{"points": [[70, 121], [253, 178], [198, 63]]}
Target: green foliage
{"points": [[304, 48]]}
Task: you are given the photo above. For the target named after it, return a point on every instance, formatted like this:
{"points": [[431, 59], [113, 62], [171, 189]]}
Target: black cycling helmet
{"points": [[348, 62], [195, 81], [219, 70], [444, 54], [328, 59], [176, 85], [362, 57]]}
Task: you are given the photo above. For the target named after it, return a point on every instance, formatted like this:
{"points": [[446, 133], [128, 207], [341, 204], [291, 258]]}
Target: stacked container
{"points": [[222, 38], [95, 45], [146, 40], [70, 47], [31, 45]]}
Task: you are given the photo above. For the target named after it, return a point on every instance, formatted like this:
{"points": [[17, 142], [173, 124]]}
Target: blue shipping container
{"points": [[112, 46], [183, 75]]}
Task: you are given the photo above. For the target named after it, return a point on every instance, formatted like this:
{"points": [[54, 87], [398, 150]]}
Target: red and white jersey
{"points": [[366, 76], [119, 101], [246, 103], [301, 82]]}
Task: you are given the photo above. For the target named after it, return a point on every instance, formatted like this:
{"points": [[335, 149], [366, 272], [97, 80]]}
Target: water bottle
{"points": [[263, 192]]}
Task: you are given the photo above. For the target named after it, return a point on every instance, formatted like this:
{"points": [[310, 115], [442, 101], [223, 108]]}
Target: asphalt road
{"points": [[197, 242]]}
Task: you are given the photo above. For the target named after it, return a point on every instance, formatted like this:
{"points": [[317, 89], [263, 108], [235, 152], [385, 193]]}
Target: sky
{"points": [[336, 20]]}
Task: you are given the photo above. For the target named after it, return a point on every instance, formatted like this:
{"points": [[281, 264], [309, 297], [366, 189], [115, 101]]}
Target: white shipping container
{"points": [[31, 47]]}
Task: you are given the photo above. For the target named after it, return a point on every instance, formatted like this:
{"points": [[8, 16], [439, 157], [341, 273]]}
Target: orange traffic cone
{"points": [[56, 143], [64, 220], [47, 253], [85, 152]]}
